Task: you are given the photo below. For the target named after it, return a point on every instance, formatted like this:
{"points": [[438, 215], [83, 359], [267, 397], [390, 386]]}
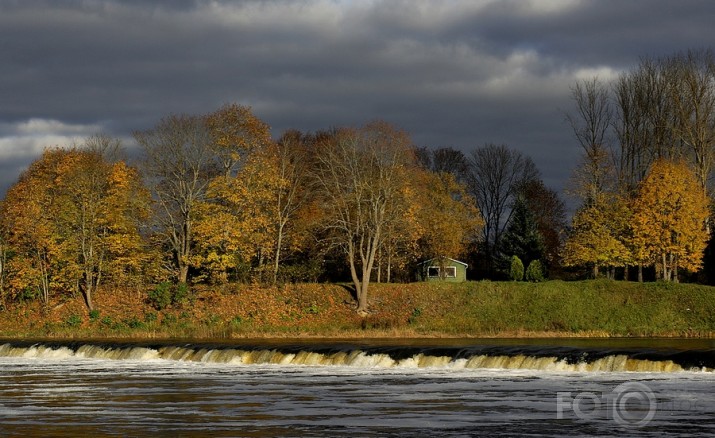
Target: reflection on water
{"points": [[65, 394]]}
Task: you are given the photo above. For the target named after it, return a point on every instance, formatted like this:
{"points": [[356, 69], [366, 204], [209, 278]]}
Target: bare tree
{"points": [[444, 160], [109, 148], [495, 175], [631, 126], [361, 176], [293, 166], [550, 214], [452, 161], [178, 165], [591, 122], [692, 95]]}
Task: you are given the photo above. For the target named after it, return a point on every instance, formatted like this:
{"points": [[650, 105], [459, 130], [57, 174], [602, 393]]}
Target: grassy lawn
{"points": [[474, 309]]}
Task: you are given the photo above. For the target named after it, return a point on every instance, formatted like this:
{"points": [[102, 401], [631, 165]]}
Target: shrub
{"points": [[28, 294], [165, 294], [415, 314], [313, 309], [73, 321], [134, 323], [535, 272], [160, 296], [516, 272], [169, 319], [94, 315], [180, 293]]}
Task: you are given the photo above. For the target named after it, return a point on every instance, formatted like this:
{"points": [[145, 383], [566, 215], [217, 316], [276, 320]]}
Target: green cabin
{"points": [[442, 269]]}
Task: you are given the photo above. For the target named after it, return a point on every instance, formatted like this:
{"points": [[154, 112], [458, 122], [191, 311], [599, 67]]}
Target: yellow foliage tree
{"points": [[73, 218], [237, 224], [449, 218], [669, 220], [235, 132], [598, 235], [27, 218]]}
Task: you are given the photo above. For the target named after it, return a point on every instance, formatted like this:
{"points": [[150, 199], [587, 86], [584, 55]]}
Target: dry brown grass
{"points": [[418, 310]]}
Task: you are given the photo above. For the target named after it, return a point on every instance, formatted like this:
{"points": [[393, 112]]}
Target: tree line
{"points": [[644, 179], [214, 199]]}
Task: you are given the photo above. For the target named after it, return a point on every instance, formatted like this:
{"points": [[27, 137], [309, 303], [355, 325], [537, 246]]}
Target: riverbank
{"points": [[598, 308]]}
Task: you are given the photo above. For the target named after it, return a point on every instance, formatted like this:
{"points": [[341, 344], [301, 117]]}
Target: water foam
{"points": [[347, 357]]}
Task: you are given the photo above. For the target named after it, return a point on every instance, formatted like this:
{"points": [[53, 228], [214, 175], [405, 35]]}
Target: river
{"points": [[358, 388]]}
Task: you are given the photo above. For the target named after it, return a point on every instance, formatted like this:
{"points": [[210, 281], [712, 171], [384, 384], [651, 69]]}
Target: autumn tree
{"points": [[74, 218], [236, 225], [291, 197], [99, 208], [670, 214], [449, 217], [361, 177], [4, 257], [597, 236], [82, 185], [27, 217], [178, 164], [234, 133]]}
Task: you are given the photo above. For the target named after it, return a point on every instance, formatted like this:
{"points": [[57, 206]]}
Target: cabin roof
{"points": [[445, 258]]}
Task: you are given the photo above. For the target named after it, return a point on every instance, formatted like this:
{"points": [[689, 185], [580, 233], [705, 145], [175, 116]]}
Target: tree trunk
{"points": [[276, 263], [362, 304], [640, 273], [362, 298], [595, 271], [183, 272], [87, 293], [389, 268]]}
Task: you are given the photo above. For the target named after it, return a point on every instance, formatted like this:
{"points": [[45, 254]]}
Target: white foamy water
{"points": [[534, 359], [199, 391]]}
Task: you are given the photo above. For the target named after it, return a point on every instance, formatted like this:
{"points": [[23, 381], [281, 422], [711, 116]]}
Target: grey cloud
{"points": [[457, 73]]}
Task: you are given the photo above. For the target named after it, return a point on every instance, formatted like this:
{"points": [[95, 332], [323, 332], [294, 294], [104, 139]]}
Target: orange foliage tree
{"points": [[449, 218], [669, 219], [73, 218], [4, 257], [184, 157], [28, 218]]}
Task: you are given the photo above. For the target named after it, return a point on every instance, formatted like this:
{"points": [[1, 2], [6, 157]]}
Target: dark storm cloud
{"points": [[452, 73]]}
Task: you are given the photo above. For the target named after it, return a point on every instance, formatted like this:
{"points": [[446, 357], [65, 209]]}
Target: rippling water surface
{"points": [[66, 395]]}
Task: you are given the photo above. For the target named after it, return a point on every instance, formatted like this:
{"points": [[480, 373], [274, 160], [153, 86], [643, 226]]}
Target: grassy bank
{"points": [[479, 309]]}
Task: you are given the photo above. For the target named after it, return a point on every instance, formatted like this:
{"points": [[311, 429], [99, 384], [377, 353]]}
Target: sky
{"points": [[453, 73]]}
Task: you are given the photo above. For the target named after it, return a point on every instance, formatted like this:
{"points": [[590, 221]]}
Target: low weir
{"points": [[528, 357]]}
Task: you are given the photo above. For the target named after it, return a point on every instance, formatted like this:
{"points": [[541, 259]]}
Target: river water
{"points": [[368, 388]]}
